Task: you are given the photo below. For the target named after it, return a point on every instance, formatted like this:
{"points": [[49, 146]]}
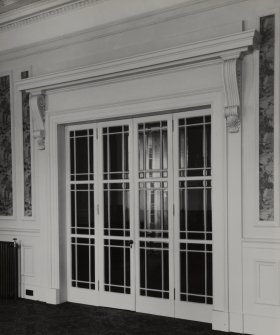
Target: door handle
{"points": [[130, 243]]}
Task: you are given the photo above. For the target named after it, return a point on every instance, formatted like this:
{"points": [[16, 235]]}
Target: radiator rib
{"points": [[8, 270]]}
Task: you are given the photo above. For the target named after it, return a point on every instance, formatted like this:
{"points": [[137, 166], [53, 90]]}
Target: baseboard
{"points": [[220, 321], [38, 293], [32, 292], [261, 325], [52, 296]]}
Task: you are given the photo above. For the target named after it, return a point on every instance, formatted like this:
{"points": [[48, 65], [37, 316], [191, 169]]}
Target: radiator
{"points": [[8, 270]]}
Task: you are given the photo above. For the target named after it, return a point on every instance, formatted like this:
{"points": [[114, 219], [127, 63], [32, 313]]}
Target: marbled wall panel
{"points": [[6, 176], [26, 151], [266, 118]]}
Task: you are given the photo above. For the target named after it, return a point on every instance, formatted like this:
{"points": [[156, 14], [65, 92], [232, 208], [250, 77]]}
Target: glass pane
{"points": [[82, 209], [91, 156], [182, 148], [105, 154], [208, 144], [125, 152], [183, 272], [83, 263], [195, 217], [196, 273], [153, 209], [116, 209], [154, 276], [73, 250], [117, 266], [208, 210], [209, 274], [194, 139], [92, 263], [72, 155], [141, 151], [195, 147], [195, 209], [164, 150], [81, 155], [182, 206], [82, 206], [115, 152], [152, 150], [73, 209]]}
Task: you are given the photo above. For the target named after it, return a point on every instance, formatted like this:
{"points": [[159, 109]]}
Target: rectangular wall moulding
{"points": [[6, 177], [266, 118], [26, 150]]}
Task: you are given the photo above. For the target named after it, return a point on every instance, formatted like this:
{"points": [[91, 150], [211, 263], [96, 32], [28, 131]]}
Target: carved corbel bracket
{"points": [[37, 103], [231, 76]]}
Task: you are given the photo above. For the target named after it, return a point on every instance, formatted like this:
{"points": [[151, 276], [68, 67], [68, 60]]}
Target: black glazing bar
{"points": [[8, 270]]}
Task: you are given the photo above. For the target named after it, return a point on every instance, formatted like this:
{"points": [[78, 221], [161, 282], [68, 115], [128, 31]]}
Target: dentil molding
{"points": [[227, 49], [42, 12]]}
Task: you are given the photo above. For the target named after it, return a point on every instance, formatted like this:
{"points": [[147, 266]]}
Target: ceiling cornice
{"points": [[39, 11], [190, 7]]}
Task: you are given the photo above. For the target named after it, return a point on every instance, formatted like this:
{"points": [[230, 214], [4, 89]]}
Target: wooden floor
{"points": [[24, 317]]}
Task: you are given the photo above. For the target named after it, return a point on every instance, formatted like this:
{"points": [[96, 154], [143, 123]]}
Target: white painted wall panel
{"points": [[188, 81], [261, 266]]}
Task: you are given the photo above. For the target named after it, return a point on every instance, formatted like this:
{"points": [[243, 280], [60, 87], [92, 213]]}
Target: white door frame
{"points": [[183, 100]]}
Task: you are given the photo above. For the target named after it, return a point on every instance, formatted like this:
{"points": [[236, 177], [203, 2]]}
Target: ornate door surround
{"points": [[48, 128]]}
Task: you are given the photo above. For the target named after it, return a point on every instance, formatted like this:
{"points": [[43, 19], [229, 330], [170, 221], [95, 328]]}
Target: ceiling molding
{"points": [[223, 47], [190, 7], [37, 12], [12, 5]]}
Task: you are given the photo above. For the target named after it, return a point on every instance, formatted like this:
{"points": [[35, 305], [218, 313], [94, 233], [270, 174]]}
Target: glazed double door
{"points": [[140, 214]]}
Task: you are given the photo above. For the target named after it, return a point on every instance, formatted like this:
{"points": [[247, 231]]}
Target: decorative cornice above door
{"points": [[227, 50]]}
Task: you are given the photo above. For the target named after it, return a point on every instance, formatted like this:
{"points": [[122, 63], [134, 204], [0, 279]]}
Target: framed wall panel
{"points": [[27, 151], [6, 159], [268, 121]]}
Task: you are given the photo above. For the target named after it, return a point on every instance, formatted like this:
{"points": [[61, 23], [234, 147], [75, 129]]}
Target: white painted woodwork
{"points": [[261, 288], [27, 260], [246, 261], [37, 110]]}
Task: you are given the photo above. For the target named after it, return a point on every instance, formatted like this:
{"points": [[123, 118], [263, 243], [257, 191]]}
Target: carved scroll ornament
{"points": [[37, 103], [231, 90]]}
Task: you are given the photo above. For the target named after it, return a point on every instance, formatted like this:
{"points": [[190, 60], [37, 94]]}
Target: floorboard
{"points": [[25, 317]]}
